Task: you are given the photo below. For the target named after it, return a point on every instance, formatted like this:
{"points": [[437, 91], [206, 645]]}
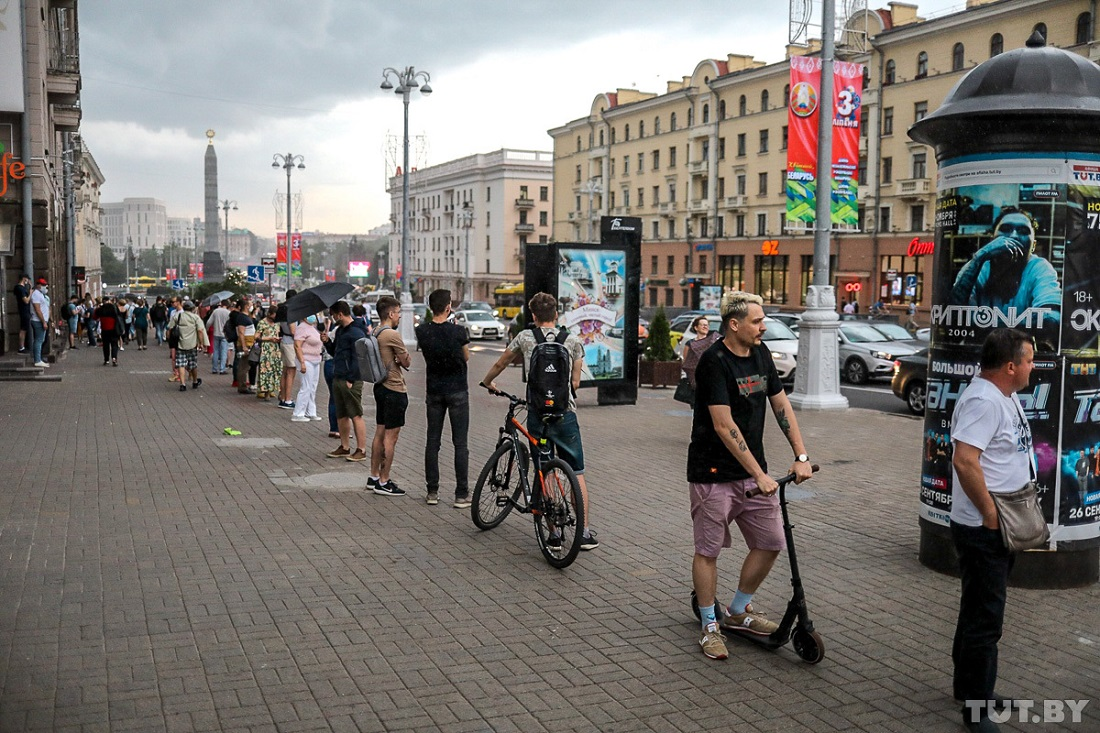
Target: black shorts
{"points": [[391, 407]]}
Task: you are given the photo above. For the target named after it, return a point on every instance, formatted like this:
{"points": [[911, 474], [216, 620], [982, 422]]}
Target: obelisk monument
{"points": [[213, 266]]}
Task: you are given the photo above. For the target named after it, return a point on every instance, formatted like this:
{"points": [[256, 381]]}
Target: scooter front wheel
{"points": [[808, 645]]}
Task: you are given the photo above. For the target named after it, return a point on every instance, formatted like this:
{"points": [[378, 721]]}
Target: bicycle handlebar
{"points": [[501, 393], [782, 482]]}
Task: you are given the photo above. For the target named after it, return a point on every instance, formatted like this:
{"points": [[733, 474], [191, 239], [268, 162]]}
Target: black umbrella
{"points": [[315, 299]]}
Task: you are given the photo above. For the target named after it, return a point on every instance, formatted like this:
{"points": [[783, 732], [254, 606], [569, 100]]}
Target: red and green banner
{"points": [[280, 254], [295, 254], [802, 117]]}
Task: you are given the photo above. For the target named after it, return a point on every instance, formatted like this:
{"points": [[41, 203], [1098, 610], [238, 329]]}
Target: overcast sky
{"points": [[302, 76]]}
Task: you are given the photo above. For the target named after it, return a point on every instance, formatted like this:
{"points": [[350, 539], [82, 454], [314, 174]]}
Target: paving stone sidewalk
{"points": [[159, 575]]}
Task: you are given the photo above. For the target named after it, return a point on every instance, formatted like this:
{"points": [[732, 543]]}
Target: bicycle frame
{"points": [[542, 450]]}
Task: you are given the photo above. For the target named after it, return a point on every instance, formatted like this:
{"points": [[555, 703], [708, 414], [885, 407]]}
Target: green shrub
{"points": [[658, 346]]}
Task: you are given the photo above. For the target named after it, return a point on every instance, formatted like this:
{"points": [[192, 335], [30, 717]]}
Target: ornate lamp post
{"points": [[226, 205], [289, 162], [407, 80]]}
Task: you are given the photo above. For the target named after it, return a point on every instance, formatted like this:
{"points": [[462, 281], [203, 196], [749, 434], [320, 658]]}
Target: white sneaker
{"points": [[299, 418], [41, 364], [315, 417]]}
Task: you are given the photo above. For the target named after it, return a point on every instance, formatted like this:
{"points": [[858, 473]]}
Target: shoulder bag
{"points": [[1019, 515]]}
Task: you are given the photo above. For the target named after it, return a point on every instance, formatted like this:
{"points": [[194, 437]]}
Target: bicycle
{"points": [[506, 483]]}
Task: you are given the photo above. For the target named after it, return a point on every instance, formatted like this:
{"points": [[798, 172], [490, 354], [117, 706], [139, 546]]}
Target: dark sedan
{"points": [[910, 382]]}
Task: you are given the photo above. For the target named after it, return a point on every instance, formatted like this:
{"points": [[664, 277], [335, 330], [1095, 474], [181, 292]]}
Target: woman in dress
{"points": [[271, 359]]}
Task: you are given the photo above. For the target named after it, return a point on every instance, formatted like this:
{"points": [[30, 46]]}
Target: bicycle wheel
{"points": [[559, 515], [499, 486]]}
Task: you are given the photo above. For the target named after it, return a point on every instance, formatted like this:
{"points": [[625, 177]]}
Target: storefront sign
{"points": [[10, 170], [917, 248], [769, 247]]}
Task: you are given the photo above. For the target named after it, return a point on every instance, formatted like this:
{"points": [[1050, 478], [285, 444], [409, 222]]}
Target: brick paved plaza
{"points": [[158, 575]]}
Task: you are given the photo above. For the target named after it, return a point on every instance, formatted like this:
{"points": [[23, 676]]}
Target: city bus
{"points": [[142, 282], [508, 298]]}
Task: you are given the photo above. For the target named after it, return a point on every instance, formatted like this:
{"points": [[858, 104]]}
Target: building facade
{"points": [[39, 133], [89, 234], [470, 221], [704, 163], [135, 223]]}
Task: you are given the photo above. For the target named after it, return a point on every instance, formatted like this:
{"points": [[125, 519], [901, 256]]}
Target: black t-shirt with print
{"points": [[744, 383], [441, 344]]}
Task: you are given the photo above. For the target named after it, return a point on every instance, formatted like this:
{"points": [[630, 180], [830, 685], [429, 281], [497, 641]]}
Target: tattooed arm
{"points": [[784, 415], [734, 441]]}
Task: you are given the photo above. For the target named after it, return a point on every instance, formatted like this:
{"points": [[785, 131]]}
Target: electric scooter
{"points": [[796, 625]]}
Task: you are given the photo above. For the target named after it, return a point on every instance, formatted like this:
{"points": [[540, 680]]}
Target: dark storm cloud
{"points": [[163, 63]]}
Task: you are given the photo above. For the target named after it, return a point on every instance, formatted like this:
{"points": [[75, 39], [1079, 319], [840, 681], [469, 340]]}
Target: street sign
{"points": [[268, 264], [704, 246], [179, 284], [910, 281], [256, 274]]}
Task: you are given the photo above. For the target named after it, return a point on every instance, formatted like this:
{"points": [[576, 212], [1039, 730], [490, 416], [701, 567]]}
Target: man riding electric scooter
{"points": [[734, 380]]}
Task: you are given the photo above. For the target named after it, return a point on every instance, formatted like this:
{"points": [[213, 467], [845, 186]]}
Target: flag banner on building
{"points": [[198, 271], [296, 254], [192, 268], [802, 116], [170, 273], [330, 276], [280, 254]]}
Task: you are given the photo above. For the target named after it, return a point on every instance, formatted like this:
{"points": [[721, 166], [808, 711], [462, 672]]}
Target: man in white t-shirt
{"points": [[992, 453]]}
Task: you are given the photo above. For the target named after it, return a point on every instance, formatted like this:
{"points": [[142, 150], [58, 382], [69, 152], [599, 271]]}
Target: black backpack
{"points": [[230, 330], [550, 376]]}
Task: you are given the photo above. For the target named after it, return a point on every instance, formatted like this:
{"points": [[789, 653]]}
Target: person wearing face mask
{"points": [[307, 350], [40, 320]]}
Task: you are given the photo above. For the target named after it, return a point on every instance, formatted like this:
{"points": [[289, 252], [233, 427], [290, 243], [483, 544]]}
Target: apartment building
{"points": [[704, 163], [135, 223], [88, 182], [471, 219]]}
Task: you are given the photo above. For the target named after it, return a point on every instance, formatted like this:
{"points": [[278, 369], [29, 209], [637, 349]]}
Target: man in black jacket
{"points": [[347, 385]]}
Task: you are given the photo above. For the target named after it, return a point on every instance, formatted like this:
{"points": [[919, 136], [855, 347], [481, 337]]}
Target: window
{"points": [[656, 125], [611, 167], [670, 265], [704, 152], [641, 129], [672, 157], [887, 170], [668, 297], [722, 107], [672, 229], [691, 116], [731, 272], [641, 162], [762, 225], [578, 205], [612, 135], [489, 191], [721, 148], [958, 57], [653, 264], [542, 218], [906, 269], [672, 192], [740, 145], [626, 165], [488, 217], [890, 75], [920, 111], [577, 179], [706, 113], [626, 198], [656, 195], [785, 137], [652, 297], [578, 146], [762, 184], [672, 122], [687, 264], [641, 196], [916, 218], [739, 225], [721, 188], [996, 45], [656, 235], [786, 94], [741, 184], [922, 64], [1081, 34], [861, 170], [764, 101], [884, 219], [544, 193], [741, 104], [626, 133], [1041, 29], [808, 272], [523, 192], [611, 199], [771, 278], [887, 121], [920, 165], [656, 160], [763, 141]]}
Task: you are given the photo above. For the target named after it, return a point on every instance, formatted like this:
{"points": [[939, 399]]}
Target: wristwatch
{"points": [[802, 458]]}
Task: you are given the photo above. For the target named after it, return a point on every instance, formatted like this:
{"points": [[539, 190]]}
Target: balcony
{"points": [[697, 166], [66, 117], [666, 208], [525, 228], [913, 188], [736, 202], [698, 206], [525, 203]]}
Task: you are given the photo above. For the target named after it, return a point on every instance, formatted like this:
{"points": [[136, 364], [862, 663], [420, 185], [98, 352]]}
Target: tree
{"points": [[658, 345], [114, 269]]}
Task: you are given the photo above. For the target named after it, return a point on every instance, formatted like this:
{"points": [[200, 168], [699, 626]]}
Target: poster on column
{"points": [[591, 298], [1080, 464], [296, 254], [802, 137], [280, 254]]}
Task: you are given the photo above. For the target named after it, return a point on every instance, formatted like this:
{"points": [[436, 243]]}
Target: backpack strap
{"points": [[540, 337], [562, 335]]}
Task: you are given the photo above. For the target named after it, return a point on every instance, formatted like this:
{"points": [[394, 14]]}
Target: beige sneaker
{"points": [[750, 622], [714, 646]]}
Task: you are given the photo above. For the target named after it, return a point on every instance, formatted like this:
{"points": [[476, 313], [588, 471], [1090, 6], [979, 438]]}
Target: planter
{"points": [[659, 373]]}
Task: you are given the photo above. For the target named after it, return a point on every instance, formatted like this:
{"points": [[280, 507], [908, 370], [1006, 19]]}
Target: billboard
{"points": [[358, 269]]}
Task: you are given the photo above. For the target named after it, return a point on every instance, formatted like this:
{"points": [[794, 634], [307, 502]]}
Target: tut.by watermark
{"points": [[1028, 711]]}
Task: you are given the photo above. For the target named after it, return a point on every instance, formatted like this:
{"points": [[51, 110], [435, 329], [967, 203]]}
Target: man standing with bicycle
{"points": [[565, 434], [735, 380]]}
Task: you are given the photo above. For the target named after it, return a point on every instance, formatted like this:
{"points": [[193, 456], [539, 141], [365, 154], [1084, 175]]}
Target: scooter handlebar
{"points": [[782, 482]]}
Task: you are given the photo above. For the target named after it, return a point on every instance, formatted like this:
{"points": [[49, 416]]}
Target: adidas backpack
{"points": [[369, 355], [549, 376]]}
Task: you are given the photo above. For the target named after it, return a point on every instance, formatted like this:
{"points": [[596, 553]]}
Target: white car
{"points": [[866, 352], [480, 325]]}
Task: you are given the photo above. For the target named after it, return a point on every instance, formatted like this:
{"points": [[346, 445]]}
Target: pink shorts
{"points": [[714, 506]]}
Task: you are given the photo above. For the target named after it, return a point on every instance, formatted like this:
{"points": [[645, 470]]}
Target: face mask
{"points": [[45, 290], [311, 320]]}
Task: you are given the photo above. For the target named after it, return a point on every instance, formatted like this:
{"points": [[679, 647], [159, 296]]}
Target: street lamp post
{"points": [[467, 217], [289, 162], [226, 205], [407, 80], [591, 187]]}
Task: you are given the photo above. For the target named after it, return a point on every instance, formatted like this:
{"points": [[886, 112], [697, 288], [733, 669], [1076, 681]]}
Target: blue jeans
{"points": [[458, 405], [221, 353], [38, 337], [330, 370], [159, 327], [984, 564]]}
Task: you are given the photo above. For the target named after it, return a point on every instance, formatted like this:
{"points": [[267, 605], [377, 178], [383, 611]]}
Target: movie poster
{"points": [[1080, 462], [593, 304]]}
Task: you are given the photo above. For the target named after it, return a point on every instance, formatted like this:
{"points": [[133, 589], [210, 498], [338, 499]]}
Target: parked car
{"points": [[479, 324], [910, 382], [897, 332], [780, 340], [790, 320], [866, 352], [477, 305], [420, 313]]}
